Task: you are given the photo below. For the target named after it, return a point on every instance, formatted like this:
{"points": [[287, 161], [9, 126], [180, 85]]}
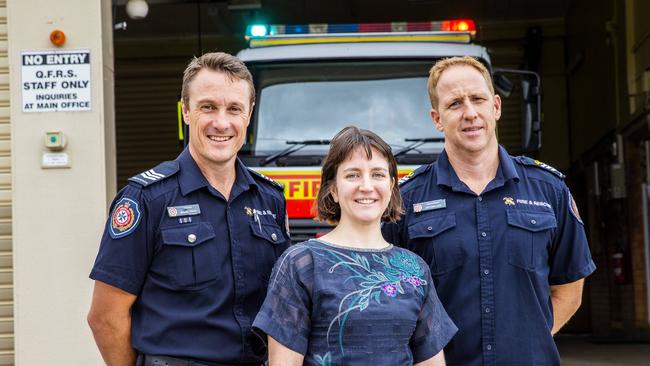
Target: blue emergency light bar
{"points": [[261, 35], [266, 30]]}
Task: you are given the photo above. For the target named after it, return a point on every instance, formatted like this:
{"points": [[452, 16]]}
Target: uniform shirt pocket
{"points": [[529, 236], [268, 246], [437, 240], [191, 254]]}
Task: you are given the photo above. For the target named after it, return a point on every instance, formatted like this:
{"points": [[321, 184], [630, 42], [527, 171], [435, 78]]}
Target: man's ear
{"points": [[497, 107], [186, 113], [435, 117], [250, 114]]}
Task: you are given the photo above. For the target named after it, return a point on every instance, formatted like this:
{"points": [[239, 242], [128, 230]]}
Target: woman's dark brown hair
{"points": [[341, 147]]}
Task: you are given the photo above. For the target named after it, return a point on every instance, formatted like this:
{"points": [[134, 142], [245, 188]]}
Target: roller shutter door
{"points": [[6, 265], [146, 118], [506, 52], [506, 42]]}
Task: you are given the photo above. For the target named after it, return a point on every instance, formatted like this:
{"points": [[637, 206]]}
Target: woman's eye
{"points": [[379, 175]]}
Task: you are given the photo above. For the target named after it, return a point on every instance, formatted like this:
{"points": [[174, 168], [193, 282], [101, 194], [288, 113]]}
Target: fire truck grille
{"points": [[305, 229]]}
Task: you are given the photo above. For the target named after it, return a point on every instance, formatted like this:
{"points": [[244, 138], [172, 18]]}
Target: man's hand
{"points": [[566, 300], [110, 321]]}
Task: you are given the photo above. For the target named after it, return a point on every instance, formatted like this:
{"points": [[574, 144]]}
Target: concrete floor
{"points": [[580, 351]]}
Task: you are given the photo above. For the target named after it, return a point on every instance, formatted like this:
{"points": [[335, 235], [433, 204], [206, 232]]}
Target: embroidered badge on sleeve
{"points": [[573, 207], [125, 218]]}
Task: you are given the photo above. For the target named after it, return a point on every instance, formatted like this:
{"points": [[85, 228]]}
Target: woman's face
{"points": [[363, 187]]}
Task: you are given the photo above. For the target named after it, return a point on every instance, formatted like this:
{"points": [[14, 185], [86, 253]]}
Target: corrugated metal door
{"points": [[506, 51], [506, 43], [146, 124], [6, 265]]}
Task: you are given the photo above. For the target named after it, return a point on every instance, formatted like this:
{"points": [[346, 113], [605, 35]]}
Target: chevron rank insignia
{"points": [[160, 172], [151, 175]]}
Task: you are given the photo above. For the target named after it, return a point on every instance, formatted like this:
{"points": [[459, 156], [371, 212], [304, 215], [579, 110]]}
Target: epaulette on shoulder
{"points": [[275, 184], [162, 171], [525, 160], [413, 174]]}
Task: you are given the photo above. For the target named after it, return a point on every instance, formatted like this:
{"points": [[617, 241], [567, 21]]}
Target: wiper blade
{"points": [[295, 146], [417, 143]]}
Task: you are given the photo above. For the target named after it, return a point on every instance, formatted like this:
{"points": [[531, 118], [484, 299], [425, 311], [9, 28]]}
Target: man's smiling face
{"points": [[218, 113]]}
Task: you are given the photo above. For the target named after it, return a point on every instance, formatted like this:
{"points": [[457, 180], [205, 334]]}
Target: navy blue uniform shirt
{"points": [[494, 256], [198, 263]]}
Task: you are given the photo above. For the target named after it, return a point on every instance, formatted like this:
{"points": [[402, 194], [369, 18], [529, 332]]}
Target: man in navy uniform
{"points": [[506, 245], [189, 245]]}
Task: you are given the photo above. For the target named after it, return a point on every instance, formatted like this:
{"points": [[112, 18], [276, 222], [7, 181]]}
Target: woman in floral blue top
{"points": [[350, 298]]}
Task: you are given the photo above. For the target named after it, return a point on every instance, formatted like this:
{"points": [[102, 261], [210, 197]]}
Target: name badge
{"points": [[429, 205], [186, 210]]}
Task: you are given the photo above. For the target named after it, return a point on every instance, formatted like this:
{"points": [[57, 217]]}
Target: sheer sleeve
{"points": [[434, 328], [285, 314]]}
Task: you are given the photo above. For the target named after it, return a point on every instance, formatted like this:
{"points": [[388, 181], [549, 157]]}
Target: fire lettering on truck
{"points": [[297, 186]]}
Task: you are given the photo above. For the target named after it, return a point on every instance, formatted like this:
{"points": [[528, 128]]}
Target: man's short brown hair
{"points": [[341, 147], [221, 62], [444, 64]]}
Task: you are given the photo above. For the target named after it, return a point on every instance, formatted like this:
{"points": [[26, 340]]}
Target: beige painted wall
{"points": [[59, 213]]}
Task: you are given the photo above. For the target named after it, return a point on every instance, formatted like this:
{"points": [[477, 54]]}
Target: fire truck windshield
{"points": [[314, 100]]}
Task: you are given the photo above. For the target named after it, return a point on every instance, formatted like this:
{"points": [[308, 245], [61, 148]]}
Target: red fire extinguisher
{"points": [[618, 267]]}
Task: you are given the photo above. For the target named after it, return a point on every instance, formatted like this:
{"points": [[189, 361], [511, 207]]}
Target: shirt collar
{"points": [[244, 177], [507, 166], [445, 173], [447, 176], [191, 178]]}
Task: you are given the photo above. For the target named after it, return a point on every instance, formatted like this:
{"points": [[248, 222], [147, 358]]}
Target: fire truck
{"points": [[314, 79]]}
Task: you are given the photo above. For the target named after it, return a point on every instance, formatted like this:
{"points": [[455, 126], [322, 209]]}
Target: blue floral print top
{"points": [[349, 306]]}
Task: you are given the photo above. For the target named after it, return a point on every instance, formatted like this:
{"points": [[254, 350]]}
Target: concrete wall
{"points": [[59, 213]]}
